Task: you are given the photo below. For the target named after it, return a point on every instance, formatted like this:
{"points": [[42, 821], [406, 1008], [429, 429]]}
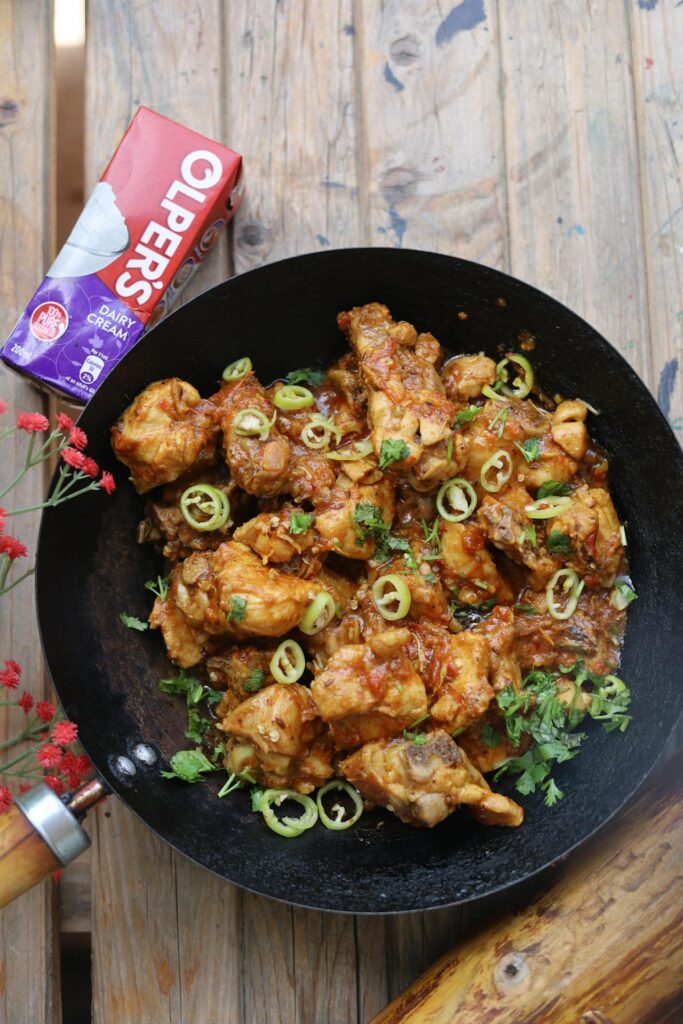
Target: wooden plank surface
{"points": [[153, 911], [657, 68], [29, 966], [508, 133]]}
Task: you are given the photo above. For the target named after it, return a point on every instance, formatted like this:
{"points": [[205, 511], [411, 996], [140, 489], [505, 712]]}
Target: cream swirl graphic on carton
{"points": [[158, 209]]}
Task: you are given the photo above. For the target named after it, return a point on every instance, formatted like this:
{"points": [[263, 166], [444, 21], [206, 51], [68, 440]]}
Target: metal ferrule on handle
{"points": [[54, 822]]}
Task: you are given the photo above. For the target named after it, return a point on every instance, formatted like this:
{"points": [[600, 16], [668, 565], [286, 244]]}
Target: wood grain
{"points": [[572, 165], [28, 926], [656, 47], [578, 951], [156, 910]]}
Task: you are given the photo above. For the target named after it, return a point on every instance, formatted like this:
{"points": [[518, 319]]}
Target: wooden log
{"points": [[29, 959], [604, 944]]}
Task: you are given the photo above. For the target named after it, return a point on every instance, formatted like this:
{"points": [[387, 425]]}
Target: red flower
{"points": [[90, 468], [74, 767], [3, 407], [24, 787], [78, 438], [49, 756], [11, 675], [25, 702], [54, 783], [64, 422], [64, 733], [12, 547], [57, 875], [5, 799], [73, 457], [107, 483], [32, 421], [45, 711], [2, 520]]}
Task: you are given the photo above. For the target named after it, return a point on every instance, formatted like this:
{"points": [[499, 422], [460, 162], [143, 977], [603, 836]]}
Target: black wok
{"points": [[90, 568]]}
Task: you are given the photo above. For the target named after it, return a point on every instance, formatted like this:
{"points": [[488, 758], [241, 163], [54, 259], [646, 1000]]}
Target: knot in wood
{"points": [[594, 1017], [511, 972], [405, 50], [399, 184], [9, 111], [252, 235]]}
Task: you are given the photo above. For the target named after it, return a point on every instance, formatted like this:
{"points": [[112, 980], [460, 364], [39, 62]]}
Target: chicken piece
{"points": [[458, 670], [423, 783], [164, 520], [592, 633], [507, 526], [406, 398], [239, 671], [429, 349], [279, 537], [504, 425], [465, 376], [345, 378], [569, 428], [466, 566], [259, 467], [339, 633], [489, 755], [167, 430], [229, 591], [499, 629], [342, 524], [277, 737], [371, 690], [593, 528], [185, 643]]}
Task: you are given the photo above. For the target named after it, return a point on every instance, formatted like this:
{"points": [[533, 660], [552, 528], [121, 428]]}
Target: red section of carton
{"points": [[173, 188]]}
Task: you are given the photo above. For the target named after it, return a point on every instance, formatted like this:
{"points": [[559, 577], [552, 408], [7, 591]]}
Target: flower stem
{"points": [[14, 583]]}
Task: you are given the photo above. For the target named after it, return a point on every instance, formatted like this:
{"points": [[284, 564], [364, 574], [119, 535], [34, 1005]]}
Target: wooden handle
{"points": [[38, 834], [604, 945], [25, 857]]}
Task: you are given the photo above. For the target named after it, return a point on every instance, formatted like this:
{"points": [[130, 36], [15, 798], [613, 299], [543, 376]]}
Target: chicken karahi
{"points": [[382, 581]]}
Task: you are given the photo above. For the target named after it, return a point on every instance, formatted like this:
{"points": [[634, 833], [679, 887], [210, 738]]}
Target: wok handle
{"points": [[39, 834], [602, 945]]}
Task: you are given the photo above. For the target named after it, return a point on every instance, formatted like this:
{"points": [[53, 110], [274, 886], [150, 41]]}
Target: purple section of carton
{"points": [[100, 330]]}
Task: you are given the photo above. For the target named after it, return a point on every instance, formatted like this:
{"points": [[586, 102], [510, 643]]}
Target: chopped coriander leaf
{"points": [[559, 543], [300, 522], [466, 416], [414, 737], [236, 782], [254, 680], [238, 609], [552, 793], [132, 622], [433, 538], [159, 587], [528, 609], [218, 751], [369, 518], [392, 450], [183, 684], [530, 449], [552, 488], [409, 559], [189, 765], [490, 737], [307, 375], [196, 725]]}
